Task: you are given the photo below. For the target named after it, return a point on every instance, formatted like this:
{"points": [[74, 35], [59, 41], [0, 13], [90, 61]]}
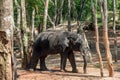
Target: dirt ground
{"points": [[93, 71]]}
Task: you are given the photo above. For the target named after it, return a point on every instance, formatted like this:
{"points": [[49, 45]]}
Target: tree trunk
{"points": [[79, 17], [24, 34], [6, 40], [119, 14], [18, 33], [32, 27], [114, 29], [103, 5], [53, 24], [81, 9], [18, 13], [45, 14], [97, 38], [49, 18], [59, 9], [69, 15], [75, 10], [55, 11]]}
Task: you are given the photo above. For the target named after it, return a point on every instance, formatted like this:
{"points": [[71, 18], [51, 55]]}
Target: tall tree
{"points": [[59, 9], [18, 13], [55, 11], [49, 18], [32, 27], [24, 34], [69, 15], [17, 32], [74, 10], [103, 5], [79, 18], [81, 9], [6, 39], [114, 29], [45, 14], [97, 37]]}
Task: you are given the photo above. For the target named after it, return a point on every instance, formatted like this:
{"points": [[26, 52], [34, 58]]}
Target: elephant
{"points": [[61, 42]]}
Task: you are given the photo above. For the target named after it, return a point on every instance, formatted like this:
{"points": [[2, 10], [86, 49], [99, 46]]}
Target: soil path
{"points": [[93, 72]]}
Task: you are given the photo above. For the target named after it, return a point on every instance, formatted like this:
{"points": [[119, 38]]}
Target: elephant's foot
{"points": [[41, 69], [63, 70], [44, 69], [85, 72], [75, 71], [30, 69]]}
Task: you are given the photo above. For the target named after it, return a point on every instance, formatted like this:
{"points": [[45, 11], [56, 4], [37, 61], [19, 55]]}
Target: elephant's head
{"points": [[78, 42]]}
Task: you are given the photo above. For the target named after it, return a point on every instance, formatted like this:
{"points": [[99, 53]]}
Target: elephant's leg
{"points": [[72, 61], [63, 61], [33, 62], [42, 63], [85, 63]]}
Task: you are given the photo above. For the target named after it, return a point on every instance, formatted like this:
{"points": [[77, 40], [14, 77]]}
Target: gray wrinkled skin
{"points": [[62, 42]]}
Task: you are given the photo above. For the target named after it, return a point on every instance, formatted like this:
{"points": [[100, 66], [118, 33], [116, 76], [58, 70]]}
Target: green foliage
{"points": [[51, 9], [118, 4], [38, 5]]}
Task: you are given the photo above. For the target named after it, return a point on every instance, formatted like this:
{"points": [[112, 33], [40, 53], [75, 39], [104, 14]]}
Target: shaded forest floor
{"points": [[93, 72]]}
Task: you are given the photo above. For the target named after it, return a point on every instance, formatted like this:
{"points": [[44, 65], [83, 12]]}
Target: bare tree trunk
{"points": [[32, 27], [58, 12], [97, 38], [18, 13], [61, 20], [119, 14], [81, 9], [24, 32], [79, 17], [19, 28], [45, 14], [69, 15], [49, 18], [114, 29], [55, 11], [103, 5], [53, 24], [6, 40], [75, 10]]}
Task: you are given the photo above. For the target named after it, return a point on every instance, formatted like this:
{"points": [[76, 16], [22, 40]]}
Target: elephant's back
{"points": [[51, 40]]}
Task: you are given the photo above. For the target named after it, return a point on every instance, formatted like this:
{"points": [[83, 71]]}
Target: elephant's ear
{"points": [[66, 42], [63, 41], [71, 40]]}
